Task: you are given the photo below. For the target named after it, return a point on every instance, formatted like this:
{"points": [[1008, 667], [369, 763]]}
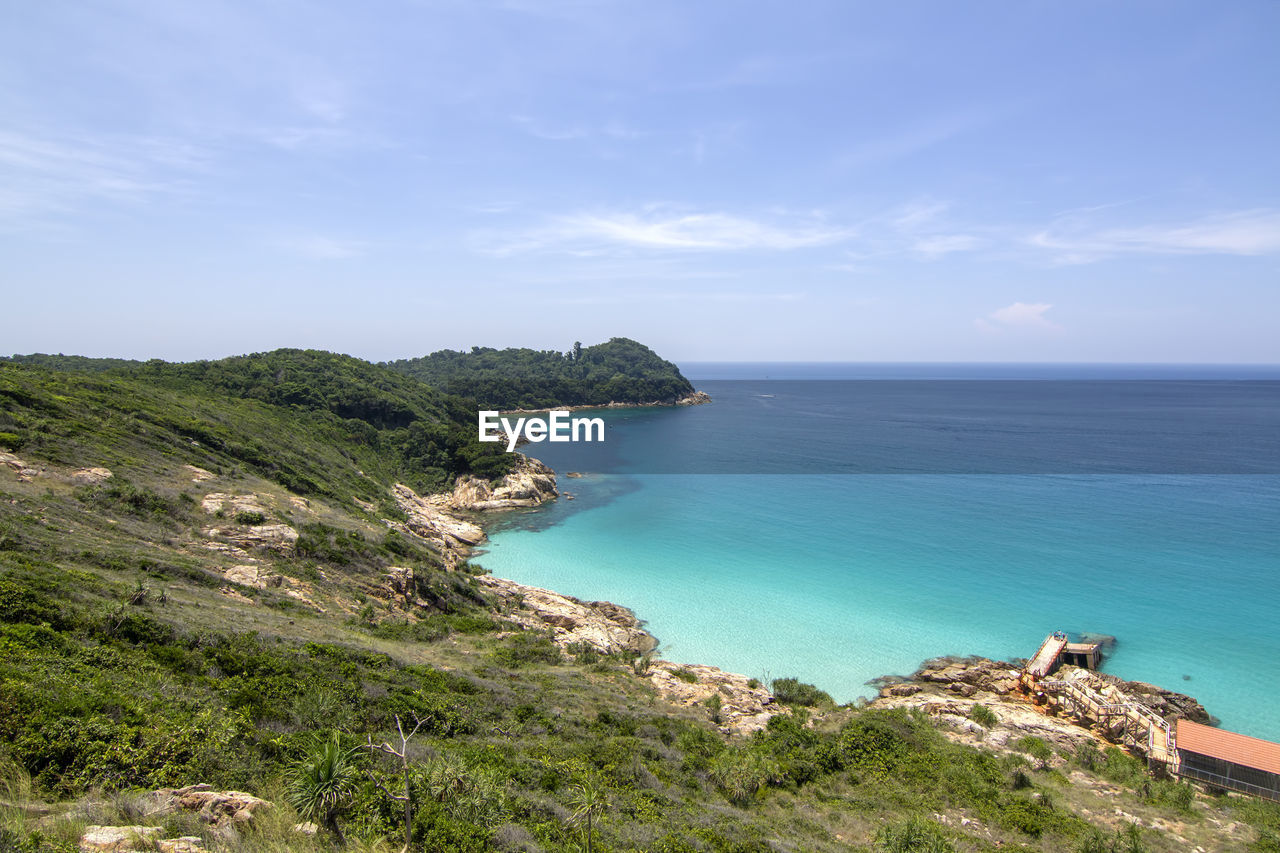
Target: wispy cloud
{"points": [[42, 174], [1020, 316], [596, 233], [1246, 232], [911, 139]]}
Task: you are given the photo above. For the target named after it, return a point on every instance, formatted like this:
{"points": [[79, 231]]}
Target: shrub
{"points": [[791, 691], [249, 517], [983, 716], [11, 441], [525, 648], [686, 675], [917, 835]]}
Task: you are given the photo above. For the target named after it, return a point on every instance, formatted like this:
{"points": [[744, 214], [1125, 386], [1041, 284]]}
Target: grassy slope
{"points": [[123, 664]]}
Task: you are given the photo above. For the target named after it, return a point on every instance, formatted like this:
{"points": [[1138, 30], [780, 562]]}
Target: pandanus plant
{"points": [[323, 780]]}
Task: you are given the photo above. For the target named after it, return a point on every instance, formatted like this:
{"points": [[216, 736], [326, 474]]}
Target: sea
{"points": [[841, 522]]}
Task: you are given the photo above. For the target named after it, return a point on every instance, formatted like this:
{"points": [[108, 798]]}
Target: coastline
{"points": [[946, 689], [697, 398]]}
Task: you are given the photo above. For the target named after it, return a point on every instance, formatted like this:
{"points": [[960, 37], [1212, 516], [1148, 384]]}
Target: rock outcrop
{"points": [[117, 839], [198, 475], [530, 483], [91, 476], [213, 807], [697, 398], [273, 537], [742, 708], [1168, 704], [430, 519], [216, 502], [25, 472], [948, 688], [252, 576], [604, 626]]}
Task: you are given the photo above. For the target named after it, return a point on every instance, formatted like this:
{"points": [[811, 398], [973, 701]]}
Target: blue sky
{"points": [[1072, 181]]}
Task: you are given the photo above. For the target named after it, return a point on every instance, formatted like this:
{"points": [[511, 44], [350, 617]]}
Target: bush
{"points": [[983, 716], [250, 518], [741, 773], [525, 648], [10, 441], [685, 675], [791, 691], [917, 835]]}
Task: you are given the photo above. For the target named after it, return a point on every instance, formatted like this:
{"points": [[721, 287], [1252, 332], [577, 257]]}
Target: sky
{"points": [[793, 181]]}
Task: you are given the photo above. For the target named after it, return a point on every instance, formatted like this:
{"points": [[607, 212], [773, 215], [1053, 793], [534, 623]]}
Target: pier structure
{"points": [[1185, 749]]}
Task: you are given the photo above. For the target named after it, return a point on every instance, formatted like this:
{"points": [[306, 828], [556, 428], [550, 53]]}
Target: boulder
{"points": [[116, 839], [91, 476]]}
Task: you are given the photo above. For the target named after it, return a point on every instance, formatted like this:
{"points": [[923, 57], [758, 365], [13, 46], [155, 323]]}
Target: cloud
{"points": [[42, 174], [1245, 232], [1018, 316], [592, 234]]}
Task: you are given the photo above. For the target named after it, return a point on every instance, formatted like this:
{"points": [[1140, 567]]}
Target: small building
{"points": [[1083, 655], [1228, 760]]}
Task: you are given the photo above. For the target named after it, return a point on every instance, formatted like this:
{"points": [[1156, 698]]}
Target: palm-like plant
{"points": [[323, 780], [588, 799]]}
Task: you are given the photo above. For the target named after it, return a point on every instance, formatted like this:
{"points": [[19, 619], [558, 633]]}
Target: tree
{"points": [[588, 799], [323, 780]]}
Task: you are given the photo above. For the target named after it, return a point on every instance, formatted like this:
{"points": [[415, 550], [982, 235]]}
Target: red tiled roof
{"points": [[1229, 746]]}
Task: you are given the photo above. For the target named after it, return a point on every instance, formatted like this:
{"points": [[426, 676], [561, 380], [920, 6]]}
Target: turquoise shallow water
{"points": [[840, 578]]}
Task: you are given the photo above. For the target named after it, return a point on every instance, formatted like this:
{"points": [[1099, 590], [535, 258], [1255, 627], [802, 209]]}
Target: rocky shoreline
{"points": [[697, 398]]}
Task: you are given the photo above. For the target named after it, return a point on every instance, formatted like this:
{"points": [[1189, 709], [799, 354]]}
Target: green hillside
{"points": [[619, 371]]}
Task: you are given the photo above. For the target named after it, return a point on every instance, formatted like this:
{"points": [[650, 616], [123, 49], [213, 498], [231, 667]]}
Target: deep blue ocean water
{"points": [[839, 530]]}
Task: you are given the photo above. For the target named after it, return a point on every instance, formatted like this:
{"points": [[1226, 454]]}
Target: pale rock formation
{"points": [[91, 476], [429, 518], [605, 626], [529, 484], [948, 688], [743, 708], [216, 502], [697, 398], [213, 807], [26, 473], [117, 839], [275, 537], [252, 576], [300, 504], [198, 475], [185, 844]]}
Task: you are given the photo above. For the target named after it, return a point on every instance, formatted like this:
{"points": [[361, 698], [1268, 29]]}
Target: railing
{"points": [[1227, 783], [1135, 711]]}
